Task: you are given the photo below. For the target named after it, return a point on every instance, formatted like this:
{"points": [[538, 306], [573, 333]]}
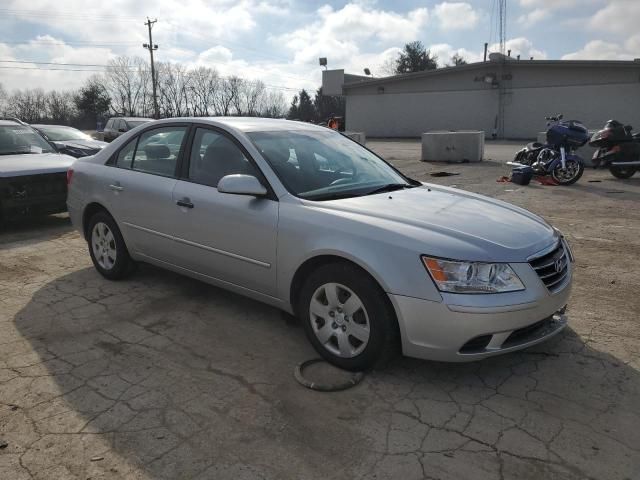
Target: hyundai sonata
{"points": [[300, 217]]}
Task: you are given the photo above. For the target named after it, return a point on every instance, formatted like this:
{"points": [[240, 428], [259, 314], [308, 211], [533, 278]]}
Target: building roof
{"points": [[511, 62]]}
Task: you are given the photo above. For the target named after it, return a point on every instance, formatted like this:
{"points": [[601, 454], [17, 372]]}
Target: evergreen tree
{"points": [[415, 58]]}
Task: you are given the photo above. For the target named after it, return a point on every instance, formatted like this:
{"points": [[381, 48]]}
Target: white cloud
{"points": [[456, 16], [32, 75], [338, 33], [542, 9], [444, 52], [621, 17], [521, 46], [601, 50], [534, 16], [553, 4]]}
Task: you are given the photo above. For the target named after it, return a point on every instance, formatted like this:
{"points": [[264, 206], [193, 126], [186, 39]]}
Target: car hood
{"points": [[82, 144], [33, 164], [453, 223]]}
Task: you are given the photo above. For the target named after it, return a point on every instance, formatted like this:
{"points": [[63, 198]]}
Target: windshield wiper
{"points": [[330, 196], [389, 187]]}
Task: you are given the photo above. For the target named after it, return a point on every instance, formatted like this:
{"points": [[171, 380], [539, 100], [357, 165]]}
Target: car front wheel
{"points": [[348, 318], [107, 248]]}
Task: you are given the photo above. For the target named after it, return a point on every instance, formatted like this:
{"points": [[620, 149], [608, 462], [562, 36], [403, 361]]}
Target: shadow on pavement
{"points": [[161, 376], [52, 226]]}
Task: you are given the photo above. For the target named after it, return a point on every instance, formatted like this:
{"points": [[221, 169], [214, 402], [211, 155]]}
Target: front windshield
{"points": [[320, 165], [16, 139], [59, 134]]}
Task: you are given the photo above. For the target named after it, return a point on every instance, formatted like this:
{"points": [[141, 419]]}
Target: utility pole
{"points": [[151, 47]]}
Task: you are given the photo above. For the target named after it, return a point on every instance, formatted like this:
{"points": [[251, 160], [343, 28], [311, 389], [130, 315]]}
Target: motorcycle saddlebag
{"points": [[521, 175]]}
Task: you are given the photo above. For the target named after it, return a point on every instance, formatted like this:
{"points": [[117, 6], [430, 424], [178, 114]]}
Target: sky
{"points": [[279, 41]]}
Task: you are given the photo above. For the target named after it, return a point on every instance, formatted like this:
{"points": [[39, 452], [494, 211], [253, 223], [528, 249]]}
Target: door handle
{"points": [[116, 187], [184, 202]]}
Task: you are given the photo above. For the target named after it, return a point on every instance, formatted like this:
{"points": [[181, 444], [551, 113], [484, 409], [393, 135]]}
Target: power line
{"points": [[70, 42], [68, 16], [52, 69], [55, 63]]}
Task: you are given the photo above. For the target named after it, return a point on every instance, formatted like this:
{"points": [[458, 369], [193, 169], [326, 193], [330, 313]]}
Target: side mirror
{"points": [[241, 185]]}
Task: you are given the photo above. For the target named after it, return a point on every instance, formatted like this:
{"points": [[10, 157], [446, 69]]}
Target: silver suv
{"points": [[116, 126]]}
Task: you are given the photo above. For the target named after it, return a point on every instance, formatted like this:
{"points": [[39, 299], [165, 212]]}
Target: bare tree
{"points": [[123, 81], [236, 86], [60, 107], [253, 93], [28, 105], [172, 90], [202, 84], [224, 97], [274, 105]]}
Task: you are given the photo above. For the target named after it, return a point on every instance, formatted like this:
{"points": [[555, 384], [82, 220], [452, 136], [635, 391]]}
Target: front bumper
{"points": [[463, 328]]}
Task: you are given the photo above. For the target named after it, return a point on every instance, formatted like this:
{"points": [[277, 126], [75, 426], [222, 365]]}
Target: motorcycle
{"points": [[557, 157], [617, 149]]}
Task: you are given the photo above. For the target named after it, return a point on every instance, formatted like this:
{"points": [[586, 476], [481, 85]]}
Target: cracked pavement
{"points": [[164, 377]]}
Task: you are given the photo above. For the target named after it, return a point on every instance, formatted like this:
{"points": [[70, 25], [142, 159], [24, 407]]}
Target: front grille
{"points": [[552, 267], [33, 186]]}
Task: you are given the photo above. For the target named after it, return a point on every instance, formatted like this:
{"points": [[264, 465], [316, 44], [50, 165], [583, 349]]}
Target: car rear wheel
{"points": [[107, 248], [348, 318]]}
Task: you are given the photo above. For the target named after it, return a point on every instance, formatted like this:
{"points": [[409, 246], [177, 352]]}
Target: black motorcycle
{"points": [[557, 157], [618, 149]]}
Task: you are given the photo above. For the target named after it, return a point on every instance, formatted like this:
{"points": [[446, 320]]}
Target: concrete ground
{"points": [[163, 377]]}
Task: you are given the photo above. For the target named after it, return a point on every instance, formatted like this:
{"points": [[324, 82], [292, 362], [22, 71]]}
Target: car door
{"points": [[141, 187], [225, 236], [108, 130]]}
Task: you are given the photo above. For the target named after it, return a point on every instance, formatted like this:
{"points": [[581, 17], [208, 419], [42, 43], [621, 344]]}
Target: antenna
{"points": [[502, 24]]}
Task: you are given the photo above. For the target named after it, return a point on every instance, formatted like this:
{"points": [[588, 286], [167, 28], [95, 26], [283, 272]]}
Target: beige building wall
{"points": [[460, 100]]}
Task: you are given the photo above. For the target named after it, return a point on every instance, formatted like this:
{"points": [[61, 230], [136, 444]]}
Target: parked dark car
{"points": [[33, 175], [116, 126], [70, 141]]}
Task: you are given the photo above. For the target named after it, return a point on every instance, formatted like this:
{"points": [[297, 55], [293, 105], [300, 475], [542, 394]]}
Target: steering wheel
{"points": [[340, 181]]}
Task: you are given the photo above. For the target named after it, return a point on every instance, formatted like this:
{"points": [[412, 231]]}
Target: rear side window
{"points": [[109, 123], [125, 156], [158, 149]]}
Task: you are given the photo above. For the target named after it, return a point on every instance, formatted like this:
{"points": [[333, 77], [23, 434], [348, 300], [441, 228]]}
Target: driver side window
{"points": [[213, 156]]}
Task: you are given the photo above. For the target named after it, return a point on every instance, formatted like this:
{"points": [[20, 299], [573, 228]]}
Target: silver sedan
{"points": [[305, 219]]}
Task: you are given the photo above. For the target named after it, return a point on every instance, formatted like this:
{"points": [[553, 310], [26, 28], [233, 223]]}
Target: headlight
{"points": [[472, 277]]}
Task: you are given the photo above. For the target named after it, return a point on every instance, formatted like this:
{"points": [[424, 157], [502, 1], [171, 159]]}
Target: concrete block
{"points": [[453, 146], [359, 137]]}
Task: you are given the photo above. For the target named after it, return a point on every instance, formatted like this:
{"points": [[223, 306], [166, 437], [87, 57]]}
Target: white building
{"points": [[509, 98]]}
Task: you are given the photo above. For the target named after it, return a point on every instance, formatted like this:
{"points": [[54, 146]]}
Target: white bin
{"points": [[453, 146], [359, 137]]}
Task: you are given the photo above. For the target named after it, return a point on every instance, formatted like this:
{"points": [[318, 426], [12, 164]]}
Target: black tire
{"points": [[383, 340], [122, 265], [623, 172], [563, 181]]}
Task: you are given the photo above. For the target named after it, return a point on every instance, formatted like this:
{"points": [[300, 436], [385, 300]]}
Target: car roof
{"points": [[250, 124], [45, 125], [10, 122], [134, 118]]}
